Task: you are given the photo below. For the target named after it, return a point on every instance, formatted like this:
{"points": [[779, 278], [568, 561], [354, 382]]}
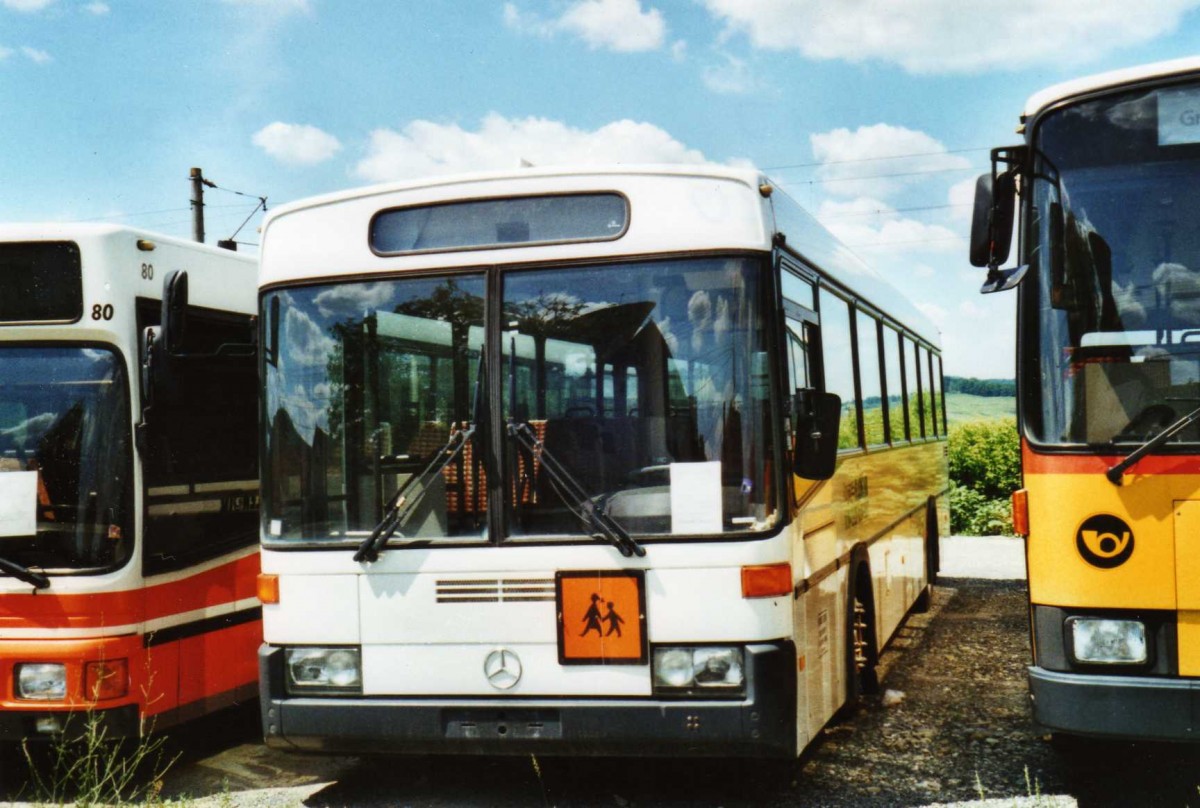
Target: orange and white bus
{"points": [[128, 479], [552, 463], [1108, 369]]}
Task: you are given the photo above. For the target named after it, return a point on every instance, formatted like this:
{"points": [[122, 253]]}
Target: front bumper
{"points": [[1133, 707], [117, 722], [762, 724]]}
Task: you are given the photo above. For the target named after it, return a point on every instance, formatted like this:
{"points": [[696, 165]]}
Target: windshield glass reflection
{"points": [[1118, 260], [64, 458], [647, 382]]}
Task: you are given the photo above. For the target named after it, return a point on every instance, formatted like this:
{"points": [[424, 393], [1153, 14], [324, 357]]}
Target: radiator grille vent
{"points": [[493, 590]]}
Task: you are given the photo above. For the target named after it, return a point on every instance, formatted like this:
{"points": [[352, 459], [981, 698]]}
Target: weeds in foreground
{"points": [[89, 767], [537, 769], [1033, 791]]}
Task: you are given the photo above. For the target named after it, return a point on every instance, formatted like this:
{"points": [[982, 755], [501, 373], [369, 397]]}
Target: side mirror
{"points": [[174, 311], [992, 220], [818, 416]]}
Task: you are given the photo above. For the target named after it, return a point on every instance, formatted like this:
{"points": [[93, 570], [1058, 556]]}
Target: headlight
{"points": [[42, 681], [1105, 641], [707, 668], [323, 670]]}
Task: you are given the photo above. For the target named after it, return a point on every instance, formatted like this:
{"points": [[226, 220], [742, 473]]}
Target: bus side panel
{"points": [[878, 498], [204, 629], [215, 665], [824, 673], [161, 684]]}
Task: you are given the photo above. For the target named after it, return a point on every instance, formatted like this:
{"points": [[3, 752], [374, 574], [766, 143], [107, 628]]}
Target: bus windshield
{"points": [[646, 384], [64, 458], [1117, 254]]}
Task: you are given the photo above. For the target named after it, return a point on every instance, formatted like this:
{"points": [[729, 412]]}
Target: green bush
{"points": [[985, 468]]}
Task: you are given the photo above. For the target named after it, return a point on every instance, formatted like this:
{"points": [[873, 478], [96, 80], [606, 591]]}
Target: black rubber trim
{"points": [[203, 626]]}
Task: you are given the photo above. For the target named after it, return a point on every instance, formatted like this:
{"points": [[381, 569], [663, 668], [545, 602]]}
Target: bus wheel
{"points": [[932, 556], [862, 651]]}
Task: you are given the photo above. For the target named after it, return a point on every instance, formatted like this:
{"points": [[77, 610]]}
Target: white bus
{"points": [[128, 479], [552, 464]]}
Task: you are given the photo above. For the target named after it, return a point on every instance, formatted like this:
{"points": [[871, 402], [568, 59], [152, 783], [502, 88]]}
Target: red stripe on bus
{"points": [[234, 581], [224, 584], [1035, 463]]}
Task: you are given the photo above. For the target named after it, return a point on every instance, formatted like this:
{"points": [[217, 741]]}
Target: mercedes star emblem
{"points": [[502, 668]]}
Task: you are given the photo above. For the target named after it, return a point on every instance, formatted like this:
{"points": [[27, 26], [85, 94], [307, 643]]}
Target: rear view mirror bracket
{"points": [[993, 218]]}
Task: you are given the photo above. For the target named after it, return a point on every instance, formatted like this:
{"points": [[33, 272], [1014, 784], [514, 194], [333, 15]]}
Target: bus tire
{"points": [[862, 647], [932, 557]]}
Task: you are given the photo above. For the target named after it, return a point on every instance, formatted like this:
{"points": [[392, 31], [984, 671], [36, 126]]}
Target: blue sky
{"points": [[875, 114]]}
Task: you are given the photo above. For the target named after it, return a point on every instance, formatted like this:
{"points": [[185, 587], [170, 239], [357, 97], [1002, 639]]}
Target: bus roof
{"points": [[710, 208], [1042, 99], [72, 231], [218, 278]]}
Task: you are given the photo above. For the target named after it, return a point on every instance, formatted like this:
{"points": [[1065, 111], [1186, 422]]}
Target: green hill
{"points": [[962, 408]]}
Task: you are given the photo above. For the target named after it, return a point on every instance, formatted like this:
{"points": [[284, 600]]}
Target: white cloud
{"points": [[879, 159], [733, 77], [934, 312], [971, 309], [36, 56], [306, 343], [425, 147], [296, 144], [346, 299], [962, 199], [26, 5], [97, 8], [5, 53], [679, 50], [948, 36], [618, 25], [866, 224]]}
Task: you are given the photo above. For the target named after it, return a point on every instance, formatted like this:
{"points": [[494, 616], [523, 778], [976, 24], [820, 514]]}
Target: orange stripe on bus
{"points": [[1035, 463], [224, 584]]}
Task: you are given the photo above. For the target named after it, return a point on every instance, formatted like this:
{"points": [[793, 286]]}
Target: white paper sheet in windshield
{"points": [[1178, 116], [696, 497], [18, 503]]}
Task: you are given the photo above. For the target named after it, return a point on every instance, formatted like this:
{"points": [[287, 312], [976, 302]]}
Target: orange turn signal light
{"points": [[1020, 512], [268, 588], [106, 679], [767, 580]]}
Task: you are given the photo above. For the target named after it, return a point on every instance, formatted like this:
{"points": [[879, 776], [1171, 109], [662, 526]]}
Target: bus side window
{"points": [[869, 379], [837, 351], [941, 388], [894, 380], [912, 389], [201, 467], [931, 395]]}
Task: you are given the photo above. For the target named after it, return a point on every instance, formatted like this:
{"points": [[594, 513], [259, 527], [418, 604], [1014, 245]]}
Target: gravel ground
{"points": [[952, 727]]}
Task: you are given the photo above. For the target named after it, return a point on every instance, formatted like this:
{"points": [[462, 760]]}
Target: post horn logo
{"points": [[1104, 541]]}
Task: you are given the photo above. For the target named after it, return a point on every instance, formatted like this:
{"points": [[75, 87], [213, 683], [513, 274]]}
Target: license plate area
{"points": [[486, 724]]}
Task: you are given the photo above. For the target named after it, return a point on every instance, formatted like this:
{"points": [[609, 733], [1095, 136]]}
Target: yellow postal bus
{"points": [[1108, 366]]}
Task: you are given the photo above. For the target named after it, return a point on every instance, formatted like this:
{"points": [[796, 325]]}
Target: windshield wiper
{"points": [[404, 502], [573, 494], [1114, 473], [35, 579]]}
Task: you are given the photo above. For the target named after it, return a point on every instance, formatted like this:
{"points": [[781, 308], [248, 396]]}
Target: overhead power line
{"points": [[885, 176], [889, 211], [871, 159]]}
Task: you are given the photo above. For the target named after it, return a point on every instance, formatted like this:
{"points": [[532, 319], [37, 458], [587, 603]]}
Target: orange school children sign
{"points": [[601, 617]]}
